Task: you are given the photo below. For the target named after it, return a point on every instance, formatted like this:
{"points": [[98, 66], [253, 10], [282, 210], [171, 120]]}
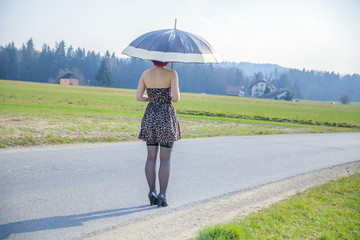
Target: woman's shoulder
{"points": [[171, 72], [148, 71]]}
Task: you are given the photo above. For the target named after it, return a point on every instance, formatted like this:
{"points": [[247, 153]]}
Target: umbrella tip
{"points": [[175, 23]]}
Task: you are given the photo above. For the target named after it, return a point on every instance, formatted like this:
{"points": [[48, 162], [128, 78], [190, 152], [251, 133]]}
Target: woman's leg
{"points": [[164, 170], [150, 166]]}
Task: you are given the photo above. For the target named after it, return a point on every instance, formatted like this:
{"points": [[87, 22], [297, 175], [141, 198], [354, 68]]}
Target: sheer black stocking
{"points": [[150, 167], [164, 170]]}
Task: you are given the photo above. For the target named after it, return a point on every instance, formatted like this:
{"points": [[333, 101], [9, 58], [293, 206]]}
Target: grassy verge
{"points": [[28, 124], [37, 113], [330, 211]]}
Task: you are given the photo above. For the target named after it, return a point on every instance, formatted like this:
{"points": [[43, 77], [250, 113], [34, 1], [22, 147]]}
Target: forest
{"points": [[47, 65]]}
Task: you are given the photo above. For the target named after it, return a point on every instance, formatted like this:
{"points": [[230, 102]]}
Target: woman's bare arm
{"points": [[140, 91], [175, 92]]}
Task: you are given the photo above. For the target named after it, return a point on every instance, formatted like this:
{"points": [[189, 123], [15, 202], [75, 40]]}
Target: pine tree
{"points": [[103, 76], [60, 55], [29, 57]]}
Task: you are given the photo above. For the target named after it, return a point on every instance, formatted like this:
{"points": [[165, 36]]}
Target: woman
{"points": [[159, 126]]}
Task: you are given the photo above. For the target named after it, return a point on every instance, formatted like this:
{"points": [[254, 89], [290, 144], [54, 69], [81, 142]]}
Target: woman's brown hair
{"points": [[159, 64]]}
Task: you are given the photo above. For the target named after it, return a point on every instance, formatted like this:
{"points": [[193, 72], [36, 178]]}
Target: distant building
{"points": [[260, 87], [69, 79], [263, 89], [235, 91]]}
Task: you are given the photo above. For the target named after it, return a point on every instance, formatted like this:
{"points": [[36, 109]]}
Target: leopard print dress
{"points": [[159, 123]]}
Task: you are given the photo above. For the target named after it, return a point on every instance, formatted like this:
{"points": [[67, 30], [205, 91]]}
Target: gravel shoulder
{"points": [[185, 223]]}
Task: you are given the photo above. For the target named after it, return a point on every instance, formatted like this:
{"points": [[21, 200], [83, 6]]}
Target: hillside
{"points": [[249, 69]]}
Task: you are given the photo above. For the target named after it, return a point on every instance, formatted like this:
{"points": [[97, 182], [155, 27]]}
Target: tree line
{"points": [[46, 65]]}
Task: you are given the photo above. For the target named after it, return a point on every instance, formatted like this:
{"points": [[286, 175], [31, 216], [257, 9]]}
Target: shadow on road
{"points": [[57, 222]]}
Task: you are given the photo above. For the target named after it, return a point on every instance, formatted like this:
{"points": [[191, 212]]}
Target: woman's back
{"points": [[158, 77]]}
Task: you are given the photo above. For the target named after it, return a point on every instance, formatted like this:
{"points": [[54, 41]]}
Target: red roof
{"points": [[68, 76], [233, 89]]}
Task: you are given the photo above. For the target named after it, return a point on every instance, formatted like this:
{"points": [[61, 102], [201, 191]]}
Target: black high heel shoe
{"points": [[161, 200], [153, 198]]}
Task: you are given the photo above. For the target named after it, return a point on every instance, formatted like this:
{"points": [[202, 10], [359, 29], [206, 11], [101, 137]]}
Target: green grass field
{"points": [[38, 113], [330, 211]]}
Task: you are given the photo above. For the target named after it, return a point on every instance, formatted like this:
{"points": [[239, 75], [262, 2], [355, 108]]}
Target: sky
{"points": [[321, 35]]}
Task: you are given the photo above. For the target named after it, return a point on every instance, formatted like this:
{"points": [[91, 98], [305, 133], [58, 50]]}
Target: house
{"points": [[69, 79], [235, 91], [260, 87], [263, 89]]}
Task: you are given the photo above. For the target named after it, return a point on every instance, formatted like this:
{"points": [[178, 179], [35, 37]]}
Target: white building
{"points": [[259, 88]]}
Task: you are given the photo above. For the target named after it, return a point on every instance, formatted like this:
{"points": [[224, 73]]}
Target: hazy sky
{"points": [[310, 34]]}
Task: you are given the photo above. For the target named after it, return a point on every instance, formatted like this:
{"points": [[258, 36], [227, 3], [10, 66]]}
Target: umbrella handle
{"points": [[172, 63]]}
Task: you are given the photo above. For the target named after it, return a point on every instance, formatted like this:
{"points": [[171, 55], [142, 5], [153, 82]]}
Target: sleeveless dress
{"points": [[159, 123]]}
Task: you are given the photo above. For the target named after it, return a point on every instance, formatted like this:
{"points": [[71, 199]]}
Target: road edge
{"points": [[186, 223]]}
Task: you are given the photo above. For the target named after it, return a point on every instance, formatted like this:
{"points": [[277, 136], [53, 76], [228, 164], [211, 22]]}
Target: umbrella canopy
{"points": [[172, 45]]}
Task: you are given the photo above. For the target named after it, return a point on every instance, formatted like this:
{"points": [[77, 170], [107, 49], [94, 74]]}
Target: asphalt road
{"points": [[67, 192]]}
